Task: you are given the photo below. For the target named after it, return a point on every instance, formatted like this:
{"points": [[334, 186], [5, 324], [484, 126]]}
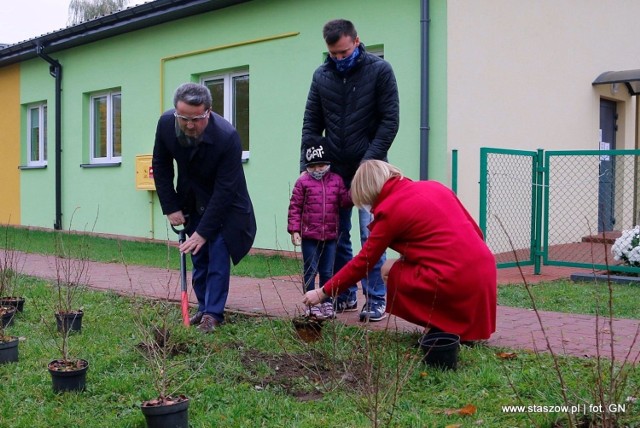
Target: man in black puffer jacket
{"points": [[353, 101]]}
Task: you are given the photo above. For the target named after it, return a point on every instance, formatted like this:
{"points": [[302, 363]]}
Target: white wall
{"points": [[520, 76]]}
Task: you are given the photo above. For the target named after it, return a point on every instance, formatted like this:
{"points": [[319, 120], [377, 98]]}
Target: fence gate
{"points": [[562, 208]]}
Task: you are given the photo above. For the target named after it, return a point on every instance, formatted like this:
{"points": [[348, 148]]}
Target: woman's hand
{"points": [[314, 297]]}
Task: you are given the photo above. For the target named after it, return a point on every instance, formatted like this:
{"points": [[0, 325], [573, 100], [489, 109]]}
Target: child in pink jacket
{"points": [[313, 220]]}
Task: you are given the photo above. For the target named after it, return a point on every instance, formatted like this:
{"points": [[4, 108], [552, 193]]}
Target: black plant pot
{"points": [[9, 350], [68, 377], [8, 312], [173, 415], [16, 302], [69, 321], [441, 350]]}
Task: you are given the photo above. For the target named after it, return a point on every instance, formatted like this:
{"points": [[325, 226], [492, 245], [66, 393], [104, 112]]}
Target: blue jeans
{"points": [[210, 279], [318, 258], [372, 285]]}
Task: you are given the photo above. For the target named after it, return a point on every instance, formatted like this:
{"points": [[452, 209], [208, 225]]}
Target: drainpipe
{"points": [[55, 69], [424, 90]]}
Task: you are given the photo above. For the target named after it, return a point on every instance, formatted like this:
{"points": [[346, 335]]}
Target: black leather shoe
{"points": [[196, 319]]}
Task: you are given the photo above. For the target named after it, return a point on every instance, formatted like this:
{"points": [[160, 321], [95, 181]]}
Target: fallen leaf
{"points": [[507, 355], [467, 410], [453, 426], [423, 374]]}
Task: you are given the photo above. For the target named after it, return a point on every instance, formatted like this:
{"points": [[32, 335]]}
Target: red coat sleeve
{"points": [[380, 236]]}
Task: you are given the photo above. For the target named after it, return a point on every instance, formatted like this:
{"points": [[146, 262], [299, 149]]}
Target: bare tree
{"points": [[86, 10]]}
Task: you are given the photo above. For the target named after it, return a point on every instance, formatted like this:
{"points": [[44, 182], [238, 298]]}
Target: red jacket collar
{"points": [[389, 187]]}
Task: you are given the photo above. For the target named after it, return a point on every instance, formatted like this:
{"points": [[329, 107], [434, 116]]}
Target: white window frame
{"points": [[229, 98], [110, 157], [41, 158]]}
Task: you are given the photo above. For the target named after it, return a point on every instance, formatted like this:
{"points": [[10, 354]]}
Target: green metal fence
{"points": [[562, 208]]}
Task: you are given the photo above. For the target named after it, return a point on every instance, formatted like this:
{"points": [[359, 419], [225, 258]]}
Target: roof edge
{"points": [[134, 18]]}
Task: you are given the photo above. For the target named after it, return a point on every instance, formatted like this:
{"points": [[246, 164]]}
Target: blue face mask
{"points": [[345, 64]]}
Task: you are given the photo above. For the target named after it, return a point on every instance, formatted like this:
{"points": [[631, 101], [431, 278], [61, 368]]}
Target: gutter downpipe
{"points": [[424, 90], [55, 69]]}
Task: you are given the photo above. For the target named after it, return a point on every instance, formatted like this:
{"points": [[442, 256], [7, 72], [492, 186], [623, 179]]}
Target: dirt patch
{"points": [[160, 344], [304, 376]]}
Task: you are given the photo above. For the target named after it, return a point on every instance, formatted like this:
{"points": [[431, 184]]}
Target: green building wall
{"points": [[280, 43]]}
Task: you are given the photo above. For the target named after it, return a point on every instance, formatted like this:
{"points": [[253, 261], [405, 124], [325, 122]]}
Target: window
{"points": [[106, 132], [376, 50], [230, 93], [37, 135]]}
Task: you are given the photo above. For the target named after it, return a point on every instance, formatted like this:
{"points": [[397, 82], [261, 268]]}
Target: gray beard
{"points": [[184, 139]]}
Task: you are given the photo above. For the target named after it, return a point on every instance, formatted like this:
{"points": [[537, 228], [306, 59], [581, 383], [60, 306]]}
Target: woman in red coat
{"points": [[446, 277]]}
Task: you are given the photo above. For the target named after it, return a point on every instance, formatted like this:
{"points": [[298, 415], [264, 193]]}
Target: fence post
{"points": [[482, 215], [454, 171], [540, 179]]}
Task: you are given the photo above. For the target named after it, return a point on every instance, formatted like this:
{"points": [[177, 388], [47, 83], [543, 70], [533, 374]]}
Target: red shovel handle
{"points": [[184, 304], [184, 298]]}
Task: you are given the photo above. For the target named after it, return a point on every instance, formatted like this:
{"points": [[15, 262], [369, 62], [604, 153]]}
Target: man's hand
{"points": [[314, 297], [296, 239], [192, 244], [176, 218]]}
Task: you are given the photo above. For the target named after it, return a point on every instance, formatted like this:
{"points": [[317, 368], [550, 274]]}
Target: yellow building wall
{"points": [[10, 144]]}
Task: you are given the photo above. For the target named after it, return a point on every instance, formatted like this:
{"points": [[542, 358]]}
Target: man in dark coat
{"points": [[353, 101], [211, 197]]}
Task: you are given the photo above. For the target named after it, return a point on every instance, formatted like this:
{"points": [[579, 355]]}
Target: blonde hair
{"points": [[369, 179]]}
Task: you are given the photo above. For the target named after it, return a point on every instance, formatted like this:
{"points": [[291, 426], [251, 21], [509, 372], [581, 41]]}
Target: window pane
{"points": [[100, 127], [34, 134], [241, 108], [116, 130], [217, 94], [44, 133]]}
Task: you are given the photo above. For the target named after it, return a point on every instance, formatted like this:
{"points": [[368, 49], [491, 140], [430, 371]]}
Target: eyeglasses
{"points": [[194, 119]]}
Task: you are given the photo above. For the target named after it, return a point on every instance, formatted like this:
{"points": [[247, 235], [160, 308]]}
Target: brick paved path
{"points": [[516, 328]]}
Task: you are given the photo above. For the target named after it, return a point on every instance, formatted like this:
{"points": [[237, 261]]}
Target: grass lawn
{"points": [[575, 297], [255, 372]]}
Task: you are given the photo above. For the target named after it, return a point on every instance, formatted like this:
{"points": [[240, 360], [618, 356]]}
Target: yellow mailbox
{"points": [[144, 173]]}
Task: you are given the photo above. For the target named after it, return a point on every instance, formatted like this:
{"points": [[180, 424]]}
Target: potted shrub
{"points": [[71, 262], [8, 344], [10, 262], [162, 344], [68, 373], [9, 304], [155, 320]]}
